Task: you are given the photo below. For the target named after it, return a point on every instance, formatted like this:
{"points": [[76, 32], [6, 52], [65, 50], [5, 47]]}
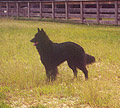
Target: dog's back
{"points": [[67, 51]]}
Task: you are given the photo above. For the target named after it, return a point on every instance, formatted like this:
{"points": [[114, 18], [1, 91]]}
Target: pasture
{"points": [[22, 75]]}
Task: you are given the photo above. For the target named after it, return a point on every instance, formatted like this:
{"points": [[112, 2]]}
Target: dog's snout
{"points": [[32, 40]]}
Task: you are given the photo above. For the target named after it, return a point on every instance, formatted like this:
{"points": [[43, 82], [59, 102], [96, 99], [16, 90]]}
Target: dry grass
{"points": [[23, 79]]}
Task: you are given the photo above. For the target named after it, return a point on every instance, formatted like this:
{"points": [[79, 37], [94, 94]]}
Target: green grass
{"points": [[22, 75]]}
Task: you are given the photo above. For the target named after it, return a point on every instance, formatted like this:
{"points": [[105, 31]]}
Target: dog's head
{"points": [[40, 36]]}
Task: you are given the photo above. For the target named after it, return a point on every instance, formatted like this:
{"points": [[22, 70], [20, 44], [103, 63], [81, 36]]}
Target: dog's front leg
{"points": [[48, 74], [51, 73]]}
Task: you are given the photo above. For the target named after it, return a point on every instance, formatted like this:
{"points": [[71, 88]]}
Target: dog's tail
{"points": [[90, 59]]}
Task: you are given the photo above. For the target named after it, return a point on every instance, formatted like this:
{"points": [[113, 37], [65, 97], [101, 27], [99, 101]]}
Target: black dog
{"points": [[53, 54]]}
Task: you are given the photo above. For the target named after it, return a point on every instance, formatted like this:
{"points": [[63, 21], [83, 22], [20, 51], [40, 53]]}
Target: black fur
{"points": [[53, 54]]}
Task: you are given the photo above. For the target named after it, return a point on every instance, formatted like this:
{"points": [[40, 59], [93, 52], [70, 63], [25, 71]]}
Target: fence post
{"points": [[7, 9], [28, 10], [53, 10], [17, 6], [81, 11], [116, 12], [66, 10], [40, 10], [98, 12]]}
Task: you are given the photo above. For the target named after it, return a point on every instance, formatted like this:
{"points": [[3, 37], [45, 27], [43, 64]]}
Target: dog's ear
{"points": [[42, 30], [38, 30]]}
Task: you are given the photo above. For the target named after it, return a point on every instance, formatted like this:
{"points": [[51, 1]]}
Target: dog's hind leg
{"points": [[85, 71], [73, 67]]}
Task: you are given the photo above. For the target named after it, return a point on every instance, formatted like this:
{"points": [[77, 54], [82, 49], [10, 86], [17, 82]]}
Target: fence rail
{"points": [[100, 12]]}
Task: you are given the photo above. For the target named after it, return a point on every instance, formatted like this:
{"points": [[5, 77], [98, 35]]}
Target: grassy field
{"points": [[22, 75]]}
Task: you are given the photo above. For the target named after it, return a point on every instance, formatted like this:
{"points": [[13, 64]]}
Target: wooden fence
{"points": [[100, 12]]}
